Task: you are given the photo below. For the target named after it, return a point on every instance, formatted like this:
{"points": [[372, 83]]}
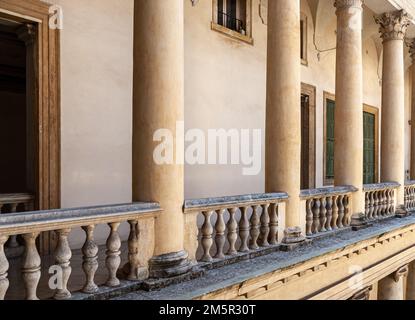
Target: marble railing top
{"points": [[50, 220], [233, 201], [410, 183], [381, 186], [328, 191], [9, 198]]}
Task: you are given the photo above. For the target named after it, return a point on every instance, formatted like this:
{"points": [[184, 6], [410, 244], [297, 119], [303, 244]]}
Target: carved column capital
{"points": [[393, 25], [411, 45], [346, 4], [402, 272]]}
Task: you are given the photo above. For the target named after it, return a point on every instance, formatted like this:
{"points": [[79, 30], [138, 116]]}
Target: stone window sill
{"points": [[232, 34]]}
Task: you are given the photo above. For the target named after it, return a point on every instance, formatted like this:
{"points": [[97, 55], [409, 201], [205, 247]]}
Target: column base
{"points": [[359, 222], [293, 239], [170, 265], [402, 212]]}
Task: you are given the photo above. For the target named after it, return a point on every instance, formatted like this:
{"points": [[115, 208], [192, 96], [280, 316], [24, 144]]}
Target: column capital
{"points": [[346, 4], [411, 45], [402, 272], [393, 25]]}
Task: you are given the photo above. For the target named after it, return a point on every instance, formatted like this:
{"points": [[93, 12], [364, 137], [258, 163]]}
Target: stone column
{"points": [[412, 52], [393, 28], [158, 103], [392, 287], [410, 284], [283, 116], [348, 156]]}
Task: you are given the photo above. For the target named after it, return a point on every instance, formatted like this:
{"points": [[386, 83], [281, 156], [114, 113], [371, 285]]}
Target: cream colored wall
{"points": [[224, 88], [96, 75]]}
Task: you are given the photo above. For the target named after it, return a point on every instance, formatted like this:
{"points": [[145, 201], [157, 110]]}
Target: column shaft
{"points": [[158, 101], [410, 290], [283, 116], [348, 156]]}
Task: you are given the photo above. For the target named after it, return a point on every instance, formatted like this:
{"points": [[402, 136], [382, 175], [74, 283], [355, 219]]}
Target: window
{"points": [[233, 18], [370, 142], [304, 39]]}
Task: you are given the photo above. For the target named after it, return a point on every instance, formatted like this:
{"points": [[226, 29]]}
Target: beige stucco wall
{"points": [[224, 88]]}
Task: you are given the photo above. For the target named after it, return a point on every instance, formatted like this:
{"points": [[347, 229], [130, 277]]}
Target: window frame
{"points": [[365, 108], [229, 32]]}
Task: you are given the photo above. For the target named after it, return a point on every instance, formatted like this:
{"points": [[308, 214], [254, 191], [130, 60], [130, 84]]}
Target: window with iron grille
{"points": [[233, 17]]}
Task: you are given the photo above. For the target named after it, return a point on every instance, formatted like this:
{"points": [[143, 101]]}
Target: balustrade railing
{"points": [[30, 225], [327, 209], [12, 203], [410, 196], [380, 200], [230, 226]]}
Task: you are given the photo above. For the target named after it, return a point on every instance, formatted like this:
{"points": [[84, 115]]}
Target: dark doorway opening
{"points": [[16, 114]]}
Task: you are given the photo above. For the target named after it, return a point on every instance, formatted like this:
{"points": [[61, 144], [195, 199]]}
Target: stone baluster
{"points": [[316, 216], [309, 217], [341, 215], [244, 230], [323, 215], [4, 268], [207, 233], [329, 213], [265, 219], [367, 204], [13, 243], [376, 205], [384, 202], [135, 271], [113, 252], [232, 227], [31, 266], [90, 260], [273, 225], [63, 255], [391, 202], [347, 214], [255, 226], [371, 205], [220, 238], [335, 221]]}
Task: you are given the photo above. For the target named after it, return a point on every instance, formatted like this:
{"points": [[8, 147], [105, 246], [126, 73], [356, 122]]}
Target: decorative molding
{"points": [[393, 25], [402, 272]]}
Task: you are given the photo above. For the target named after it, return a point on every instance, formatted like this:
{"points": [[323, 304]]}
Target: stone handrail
{"points": [[380, 200], [410, 195], [29, 225], [327, 209], [235, 225]]}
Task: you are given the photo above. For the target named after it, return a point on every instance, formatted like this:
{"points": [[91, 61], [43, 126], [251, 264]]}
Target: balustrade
{"points": [[236, 225], [327, 209], [380, 200], [410, 196], [29, 225]]}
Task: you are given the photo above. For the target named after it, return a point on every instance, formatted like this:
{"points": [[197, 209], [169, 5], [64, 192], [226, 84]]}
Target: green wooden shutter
{"points": [[330, 105], [369, 145]]}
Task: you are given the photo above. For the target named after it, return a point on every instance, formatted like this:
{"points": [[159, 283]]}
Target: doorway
{"points": [[308, 136], [16, 112], [30, 105]]}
